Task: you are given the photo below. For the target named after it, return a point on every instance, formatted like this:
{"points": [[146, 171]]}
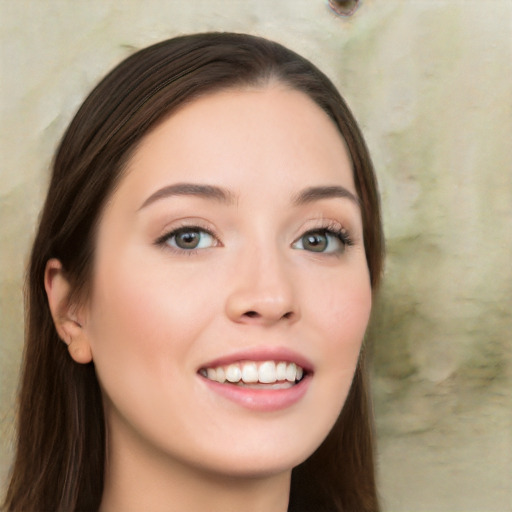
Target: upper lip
{"points": [[262, 354]]}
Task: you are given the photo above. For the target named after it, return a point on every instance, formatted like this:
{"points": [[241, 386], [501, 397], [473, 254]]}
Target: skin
{"points": [[158, 313]]}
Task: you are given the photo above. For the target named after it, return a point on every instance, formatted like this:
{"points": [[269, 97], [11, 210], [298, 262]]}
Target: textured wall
{"points": [[430, 82]]}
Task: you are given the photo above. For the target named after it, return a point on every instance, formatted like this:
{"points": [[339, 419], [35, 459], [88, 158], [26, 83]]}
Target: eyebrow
{"points": [[308, 195], [312, 194], [190, 189]]}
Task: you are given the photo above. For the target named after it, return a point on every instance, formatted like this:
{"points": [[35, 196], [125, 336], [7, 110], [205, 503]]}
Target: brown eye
{"points": [[187, 239], [190, 239], [322, 241], [316, 242], [344, 7]]}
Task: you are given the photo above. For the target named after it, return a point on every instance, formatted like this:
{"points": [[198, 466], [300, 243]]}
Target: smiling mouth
{"points": [[257, 375]]}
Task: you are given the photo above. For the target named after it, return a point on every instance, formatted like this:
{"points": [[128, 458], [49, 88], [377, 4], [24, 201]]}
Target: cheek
{"points": [[341, 315], [139, 338], [343, 305], [125, 327], [338, 314], [146, 312]]}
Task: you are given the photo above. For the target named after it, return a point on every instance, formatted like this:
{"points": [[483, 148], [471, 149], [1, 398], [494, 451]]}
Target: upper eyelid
{"points": [[189, 223], [336, 230], [326, 224], [193, 225]]}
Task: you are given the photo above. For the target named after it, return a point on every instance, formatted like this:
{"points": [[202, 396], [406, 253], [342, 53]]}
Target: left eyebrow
{"points": [[312, 194]]}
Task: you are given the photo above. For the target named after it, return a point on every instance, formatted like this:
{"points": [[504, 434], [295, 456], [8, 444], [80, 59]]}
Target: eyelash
{"points": [[330, 229], [334, 229]]}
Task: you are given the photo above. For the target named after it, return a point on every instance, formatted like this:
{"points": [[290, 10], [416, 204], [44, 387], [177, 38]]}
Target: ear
{"points": [[65, 316]]}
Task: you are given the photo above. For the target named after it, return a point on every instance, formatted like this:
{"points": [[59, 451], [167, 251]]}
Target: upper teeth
{"points": [[266, 372]]}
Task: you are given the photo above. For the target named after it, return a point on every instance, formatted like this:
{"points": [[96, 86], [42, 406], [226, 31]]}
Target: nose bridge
{"points": [[262, 288]]}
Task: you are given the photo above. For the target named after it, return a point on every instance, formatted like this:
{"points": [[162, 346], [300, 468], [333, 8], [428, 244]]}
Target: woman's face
{"points": [[232, 249]]}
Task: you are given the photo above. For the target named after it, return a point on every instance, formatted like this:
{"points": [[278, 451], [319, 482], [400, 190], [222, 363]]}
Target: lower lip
{"points": [[265, 400]]}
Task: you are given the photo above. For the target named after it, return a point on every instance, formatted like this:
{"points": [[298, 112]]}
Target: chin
{"points": [[258, 460]]}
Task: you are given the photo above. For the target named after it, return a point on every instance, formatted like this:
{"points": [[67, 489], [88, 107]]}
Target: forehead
{"points": [[270, 134]]}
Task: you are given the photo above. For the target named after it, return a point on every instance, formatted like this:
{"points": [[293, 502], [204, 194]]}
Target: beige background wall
{"points": [[431, 84]]}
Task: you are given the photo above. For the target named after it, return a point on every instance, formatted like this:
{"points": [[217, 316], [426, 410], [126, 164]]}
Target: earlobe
{"points": [[65, 316]]}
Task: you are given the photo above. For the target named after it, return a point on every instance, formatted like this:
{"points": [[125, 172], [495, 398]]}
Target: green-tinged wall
{"points": [[431, 83]]}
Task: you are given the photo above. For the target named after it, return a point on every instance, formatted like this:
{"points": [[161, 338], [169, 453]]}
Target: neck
{"points": [[140, 479]]}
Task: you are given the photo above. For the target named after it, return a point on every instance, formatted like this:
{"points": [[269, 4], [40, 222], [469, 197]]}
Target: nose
{"points": [[262, 292]]}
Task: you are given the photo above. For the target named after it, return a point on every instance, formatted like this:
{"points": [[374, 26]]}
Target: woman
{"points": [[198, 292]]}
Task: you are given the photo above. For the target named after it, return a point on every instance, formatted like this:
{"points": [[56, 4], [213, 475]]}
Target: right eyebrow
{"points": [[190, 189]]}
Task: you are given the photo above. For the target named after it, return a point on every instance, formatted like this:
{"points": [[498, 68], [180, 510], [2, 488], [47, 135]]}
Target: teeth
{"points": [[250, 372], [221, 375], [233, 373], [291, 372], [281, 371], [267, 372]]}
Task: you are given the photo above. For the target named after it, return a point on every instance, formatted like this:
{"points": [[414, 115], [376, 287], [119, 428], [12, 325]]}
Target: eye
{"points": [[189, 238], [323, 241]]}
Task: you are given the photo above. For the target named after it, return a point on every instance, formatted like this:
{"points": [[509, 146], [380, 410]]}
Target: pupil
{"points": [[188, 239], [317, 243]]}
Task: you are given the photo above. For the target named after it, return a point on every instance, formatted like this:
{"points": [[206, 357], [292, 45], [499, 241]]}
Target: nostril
{"points": [[255, 314]]}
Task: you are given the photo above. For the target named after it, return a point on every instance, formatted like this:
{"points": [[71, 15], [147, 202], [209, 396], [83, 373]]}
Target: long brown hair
{"points": [[59, 463]]}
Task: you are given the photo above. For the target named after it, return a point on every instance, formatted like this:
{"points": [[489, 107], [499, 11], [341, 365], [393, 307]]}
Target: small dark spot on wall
{"points": [[344, 7]]}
